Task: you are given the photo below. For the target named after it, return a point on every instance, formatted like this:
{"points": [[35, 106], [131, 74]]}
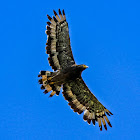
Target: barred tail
{"points": [[46, 83]]}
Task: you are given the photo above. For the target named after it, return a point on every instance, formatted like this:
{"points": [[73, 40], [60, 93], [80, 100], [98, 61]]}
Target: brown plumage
{"points": [[68, 75]]}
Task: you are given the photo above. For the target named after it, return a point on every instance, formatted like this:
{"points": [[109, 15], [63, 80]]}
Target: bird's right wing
{"points": [[81, 99], [58, 42]]}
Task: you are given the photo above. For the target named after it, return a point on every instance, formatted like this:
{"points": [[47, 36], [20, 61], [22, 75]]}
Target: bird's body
{"points": [[67, 74], [70, 73]]}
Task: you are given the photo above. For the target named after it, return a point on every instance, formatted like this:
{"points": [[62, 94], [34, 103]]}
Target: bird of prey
{"points": [[67, 74]]}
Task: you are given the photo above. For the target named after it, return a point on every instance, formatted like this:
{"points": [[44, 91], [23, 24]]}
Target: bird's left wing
{"points": [[58, 42], [81, 100]]}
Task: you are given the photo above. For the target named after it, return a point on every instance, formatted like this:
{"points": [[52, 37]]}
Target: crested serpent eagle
{"points": [[67, 74]]}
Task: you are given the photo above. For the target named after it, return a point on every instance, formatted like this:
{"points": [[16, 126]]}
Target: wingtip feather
{"points": [[49, 17], [54, 12], [63, 12], [59, 12]]}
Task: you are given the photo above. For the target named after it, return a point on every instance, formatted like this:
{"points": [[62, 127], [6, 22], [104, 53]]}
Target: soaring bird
{"points": [[67, 74]]}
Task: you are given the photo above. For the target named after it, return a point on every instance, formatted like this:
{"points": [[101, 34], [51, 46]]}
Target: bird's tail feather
{"points": [[46, 83]]}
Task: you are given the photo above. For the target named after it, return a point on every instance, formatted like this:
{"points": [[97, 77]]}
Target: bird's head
{"points": [[82, 67]]}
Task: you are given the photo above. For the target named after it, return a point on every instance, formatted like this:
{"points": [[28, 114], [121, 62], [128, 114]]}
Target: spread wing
{"points": [[81, 100], [58, 42]]}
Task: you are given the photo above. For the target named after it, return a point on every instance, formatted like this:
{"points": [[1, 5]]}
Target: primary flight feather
{"points": [[67, 74]]}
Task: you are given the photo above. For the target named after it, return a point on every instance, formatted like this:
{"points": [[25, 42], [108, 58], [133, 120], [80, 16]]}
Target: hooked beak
{"points": [[85, 66]]}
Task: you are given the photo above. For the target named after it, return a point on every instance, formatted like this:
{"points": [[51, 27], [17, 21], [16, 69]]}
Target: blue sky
{"points": [[105, 35]]}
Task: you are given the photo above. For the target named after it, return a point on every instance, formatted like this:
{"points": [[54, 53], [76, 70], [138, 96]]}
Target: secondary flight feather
{"points": [[67, 74]]}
